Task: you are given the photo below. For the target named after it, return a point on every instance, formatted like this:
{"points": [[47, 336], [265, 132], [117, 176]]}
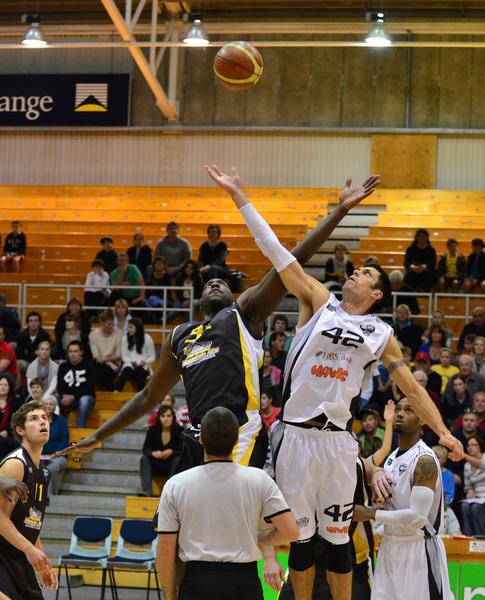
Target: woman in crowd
{"points": [[437, 340], [8, 405], [272, 378], [189, 276], [438, 319], [43, 367], [212, 255], [156, 298], [122, 315], [459, 400], [338, 268], [473, 508], [478, 355], [137, 354], [420, 262], [72, 333], [74, 307], [163, 444], [58, 440]]}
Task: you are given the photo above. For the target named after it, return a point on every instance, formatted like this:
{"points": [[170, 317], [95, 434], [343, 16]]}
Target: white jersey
{"points": [[401, 467], [329, 358]]}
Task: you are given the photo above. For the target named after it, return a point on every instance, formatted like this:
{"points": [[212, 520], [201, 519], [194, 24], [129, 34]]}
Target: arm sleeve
{"points": [[266, 239], [273, 501], [415, 516], [93, 344], [168, 519]]}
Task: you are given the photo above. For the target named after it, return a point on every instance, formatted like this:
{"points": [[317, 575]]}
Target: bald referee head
{"points": [[219, 432]]}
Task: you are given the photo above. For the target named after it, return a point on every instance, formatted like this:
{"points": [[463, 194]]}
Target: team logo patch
{"points": [[331, 307], [368, 329], [389, 462], [91, 97], [335, 529], [34, 519], [199, 353], [402, 469], [303, 522], [324, 371]]}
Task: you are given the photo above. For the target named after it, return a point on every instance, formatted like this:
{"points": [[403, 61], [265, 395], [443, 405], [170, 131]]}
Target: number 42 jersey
{"points": [[329, 358]]}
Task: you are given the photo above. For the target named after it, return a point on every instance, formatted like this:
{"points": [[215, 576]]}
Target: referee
{"points": [[213, 511]]}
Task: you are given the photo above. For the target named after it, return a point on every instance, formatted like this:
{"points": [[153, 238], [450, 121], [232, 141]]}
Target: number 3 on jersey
{"points": [[350, 339]]}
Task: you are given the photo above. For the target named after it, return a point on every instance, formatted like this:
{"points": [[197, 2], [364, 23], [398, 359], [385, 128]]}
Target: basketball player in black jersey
{"points": [[22, 558], [218, 358]]}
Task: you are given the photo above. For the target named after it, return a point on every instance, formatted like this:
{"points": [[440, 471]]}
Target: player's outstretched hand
{"points": [[10, 487], [230, 183], [273, 573], [84, 446], [389, 411], [454, 446], [350, 197], [381, 487]]}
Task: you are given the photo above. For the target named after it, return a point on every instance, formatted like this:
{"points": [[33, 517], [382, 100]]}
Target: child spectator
{"points": [[475, 268], [175, 250], [74, 307], [43, 368], [58, 440], [163, 443], [96, 290], [8, 360], [451, 525], [338, 268], [140, 254], [29, 340], [451, 268], [437, 341], [445, 369], [478, 355], [420, 263], [280, 325], [137, 354], [473, 508], [475, 327], [108, 255], [8, 405], [105, 344], [122, 315], [189, 277], [76, 382], [14, 248], [406, 331], [268, 412]]}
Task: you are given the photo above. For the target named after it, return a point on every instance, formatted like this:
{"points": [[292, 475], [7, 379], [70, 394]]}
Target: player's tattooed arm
{"points": [[426, 472], [395, 364]]}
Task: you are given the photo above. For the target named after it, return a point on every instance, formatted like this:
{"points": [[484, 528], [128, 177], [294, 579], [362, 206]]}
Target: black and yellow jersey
{"points": [[218, 361], [28, 517]]}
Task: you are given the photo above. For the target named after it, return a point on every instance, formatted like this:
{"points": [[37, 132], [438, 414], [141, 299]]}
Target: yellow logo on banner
{"points": [[91, 97]]}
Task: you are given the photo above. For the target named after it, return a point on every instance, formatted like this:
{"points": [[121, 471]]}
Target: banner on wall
{"points": [[64, 100]]}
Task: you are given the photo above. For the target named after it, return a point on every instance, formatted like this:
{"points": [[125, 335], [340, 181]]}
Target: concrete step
{"points": [[64, 504], [54, 548], [128, 440], [330, 245], [349, 232], [89, 489], [104, 478], [58, 527], [351, 220], [117, 459], [108, 465]]}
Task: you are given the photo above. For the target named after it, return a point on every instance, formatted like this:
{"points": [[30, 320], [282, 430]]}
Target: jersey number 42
{"points": [[345, 338]]}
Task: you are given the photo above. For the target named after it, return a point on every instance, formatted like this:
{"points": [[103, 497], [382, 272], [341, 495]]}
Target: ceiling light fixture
{"points": [[196, 36], [33, 37], [377, 36]]}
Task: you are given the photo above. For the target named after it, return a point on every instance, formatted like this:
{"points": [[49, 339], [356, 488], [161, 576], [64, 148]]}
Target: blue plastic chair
{"points": [[139, 534], [86, 532]]}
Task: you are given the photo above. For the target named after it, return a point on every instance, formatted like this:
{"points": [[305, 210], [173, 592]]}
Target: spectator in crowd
{"points": [[280, 325], [105, 344], [475, 268], [137, 354], [189, 277], [36, 390], [212, 256], [420, 262], [175, 250], [434, 379], [74, 307], [422, 378], [58, 440], [468, 427], [29, 341], [277, 342], [451, 525], [76, 383], [8, 360], [182, 416], [127, 275], [478, 355], [72, 333], [455, 399], [338, 268], [451, 268], [108, 254], [371, 435], [468, 344], [271, 378], [437, 341], [14, 248], [122, 315], [8, 405], [140, 254], [168, 400], [163, 443], [156, 298], [444, 368], [476, 326], [473, 508], [473, 381], [268, 412], [438, 320], [478, 404], [96, 290], [403, 292], [406, 331], [10, 322], [43, 368]]}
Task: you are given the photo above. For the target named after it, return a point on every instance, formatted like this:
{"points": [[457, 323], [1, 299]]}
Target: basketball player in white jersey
{"points": [[412, 558], [336, 346]]}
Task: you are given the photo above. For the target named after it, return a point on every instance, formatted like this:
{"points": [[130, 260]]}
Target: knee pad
{"points": [[339, 557], [302, 554]]}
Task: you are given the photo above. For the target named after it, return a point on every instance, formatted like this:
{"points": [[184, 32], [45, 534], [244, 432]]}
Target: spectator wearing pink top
{"points": [[272, 378]]}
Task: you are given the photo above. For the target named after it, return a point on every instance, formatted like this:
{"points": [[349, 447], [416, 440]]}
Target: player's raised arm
{"points": [[261, 300], [419, 398]]}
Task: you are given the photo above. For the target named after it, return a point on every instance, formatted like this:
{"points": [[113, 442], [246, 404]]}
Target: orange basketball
{"points": [[238, 66]]}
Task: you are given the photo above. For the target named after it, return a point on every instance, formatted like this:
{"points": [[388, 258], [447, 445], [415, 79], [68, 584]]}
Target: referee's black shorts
{"points": [[211, 580], [17, 578]]}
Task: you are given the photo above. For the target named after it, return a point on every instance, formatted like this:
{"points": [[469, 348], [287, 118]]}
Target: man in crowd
{"points": [[406, 331], [127, 275], [469, 426], [473, 381], [29, 341], [475, 268], [140, 254], [370, 439], [422, 363], [76, 382], [280, 325], [174, 249], [14, 248], [108, 254], [277, 341], [476, 326], [479, 409], [105, 344], [398, 286]]}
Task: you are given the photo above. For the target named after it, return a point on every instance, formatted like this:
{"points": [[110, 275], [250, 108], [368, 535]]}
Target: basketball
{"points": [[238, 66]]}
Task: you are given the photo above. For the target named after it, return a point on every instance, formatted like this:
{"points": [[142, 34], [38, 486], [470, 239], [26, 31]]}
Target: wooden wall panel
{"points": [[294, 88], [389, 108], [477, 116], [325, 104], [262, 100], [455, 92], [358, 91], [405, 161], [198, 87], [425, 71]]}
